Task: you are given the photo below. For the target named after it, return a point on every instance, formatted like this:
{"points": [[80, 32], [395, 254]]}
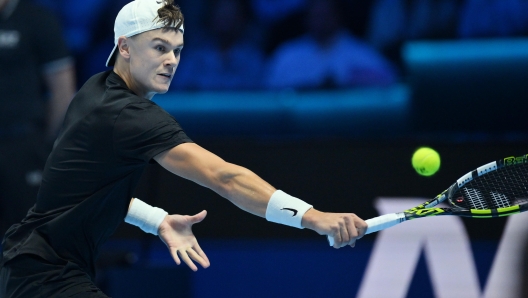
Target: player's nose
{"points": [[172, 59]]}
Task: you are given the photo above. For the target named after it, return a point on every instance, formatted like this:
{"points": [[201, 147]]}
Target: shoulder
{"points": [[117, 89], [101, 95], [94, 86], [134, 111]]}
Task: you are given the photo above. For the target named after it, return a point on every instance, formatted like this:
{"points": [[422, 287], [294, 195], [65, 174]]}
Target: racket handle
{"points": [[379, 223]]}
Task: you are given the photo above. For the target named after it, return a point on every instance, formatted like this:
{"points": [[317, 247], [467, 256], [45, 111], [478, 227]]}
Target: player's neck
{"points": [[124, 73]]}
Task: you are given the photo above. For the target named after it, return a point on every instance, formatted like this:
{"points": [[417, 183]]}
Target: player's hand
{"points": [[345, 228], [175, 231]]}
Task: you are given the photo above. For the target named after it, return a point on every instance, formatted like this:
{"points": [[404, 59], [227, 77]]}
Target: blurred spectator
{"points": [[285, 25], [328, 55], [272, 11], [37, 82], [393, 22], [79, 20], [283, 20], [229, 56], [493, 18]]}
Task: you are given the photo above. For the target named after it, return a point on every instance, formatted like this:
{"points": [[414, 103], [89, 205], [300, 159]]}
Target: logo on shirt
{"points": [[9, 39]]}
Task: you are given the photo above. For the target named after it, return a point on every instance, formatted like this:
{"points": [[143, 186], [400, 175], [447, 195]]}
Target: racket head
{"points": [[496, 189]]}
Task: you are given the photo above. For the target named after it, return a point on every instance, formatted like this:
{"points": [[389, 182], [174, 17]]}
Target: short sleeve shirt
{"points": [[31, 40], [108, 137]]}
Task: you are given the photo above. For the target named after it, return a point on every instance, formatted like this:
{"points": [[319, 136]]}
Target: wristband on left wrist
{"points": [[144, 216]]}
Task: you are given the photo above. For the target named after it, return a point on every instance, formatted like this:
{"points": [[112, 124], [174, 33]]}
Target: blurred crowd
{"points": [[300, 44]]}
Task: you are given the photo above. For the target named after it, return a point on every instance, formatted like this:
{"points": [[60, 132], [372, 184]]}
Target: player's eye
{"points": [[160, 48], [177, 51]]}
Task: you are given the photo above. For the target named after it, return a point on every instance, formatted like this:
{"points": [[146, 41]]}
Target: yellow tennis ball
{"points": [[426, 161]]}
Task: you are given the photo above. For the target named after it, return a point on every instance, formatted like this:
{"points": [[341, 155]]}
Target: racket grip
{"points": [[384, 222], [379, 223]]}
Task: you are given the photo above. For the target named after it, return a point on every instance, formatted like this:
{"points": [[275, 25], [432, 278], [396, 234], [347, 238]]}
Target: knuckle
{"points": [[348, 221]]}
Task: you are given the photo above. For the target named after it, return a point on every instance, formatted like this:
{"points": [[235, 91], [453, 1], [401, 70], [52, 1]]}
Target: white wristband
{"points": [[285, 209], [145, 217]]}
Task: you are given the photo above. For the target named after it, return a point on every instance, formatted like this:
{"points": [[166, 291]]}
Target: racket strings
{"points": [[500, 200], [475, 198], [501, 188]]}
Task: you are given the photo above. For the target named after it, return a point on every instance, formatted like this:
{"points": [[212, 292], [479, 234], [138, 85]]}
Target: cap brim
{"points": [[111, 59]]}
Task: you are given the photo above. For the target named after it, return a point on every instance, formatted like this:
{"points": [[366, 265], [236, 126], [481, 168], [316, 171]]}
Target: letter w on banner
{"points": [[448, 255]]}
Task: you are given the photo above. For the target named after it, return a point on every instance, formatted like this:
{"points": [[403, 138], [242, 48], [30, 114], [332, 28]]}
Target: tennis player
{"points": [[111, 131]]}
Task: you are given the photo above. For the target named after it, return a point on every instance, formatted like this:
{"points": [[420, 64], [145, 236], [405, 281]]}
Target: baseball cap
{"points": [[134, 18]]}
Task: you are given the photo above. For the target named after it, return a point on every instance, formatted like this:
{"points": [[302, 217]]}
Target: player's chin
{"points": [[162, 91], [162, 83], [162, 88]]}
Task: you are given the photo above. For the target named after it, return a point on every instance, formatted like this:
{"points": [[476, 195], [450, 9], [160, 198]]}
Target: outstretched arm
{"points": [[251, 193], [239, 185]]}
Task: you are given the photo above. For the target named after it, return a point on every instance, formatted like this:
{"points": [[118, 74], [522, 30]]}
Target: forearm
{"points": [[245, 189], [252, 194], [237, 184]]}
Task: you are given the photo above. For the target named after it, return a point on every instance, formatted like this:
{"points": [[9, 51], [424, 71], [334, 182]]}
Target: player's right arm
{"points": [[251, 193], [238, 184]]}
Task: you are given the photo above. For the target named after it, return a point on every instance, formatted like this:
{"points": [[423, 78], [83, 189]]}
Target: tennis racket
{"points": [[496, 189]]}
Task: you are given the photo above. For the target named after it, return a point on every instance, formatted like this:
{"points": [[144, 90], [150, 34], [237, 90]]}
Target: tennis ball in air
{"points": [[426, 161]]}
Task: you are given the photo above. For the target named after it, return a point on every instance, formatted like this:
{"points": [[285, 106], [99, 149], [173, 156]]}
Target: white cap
{"points": [[134, 18]]}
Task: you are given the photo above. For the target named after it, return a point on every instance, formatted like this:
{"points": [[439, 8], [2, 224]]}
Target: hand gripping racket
{"points": [[496, 189]]}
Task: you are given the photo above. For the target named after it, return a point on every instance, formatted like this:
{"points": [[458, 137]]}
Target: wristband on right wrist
{"points": [[285, 209]]}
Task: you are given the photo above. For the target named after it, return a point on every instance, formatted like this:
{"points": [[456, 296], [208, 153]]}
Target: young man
{"points": [[111, 132]]}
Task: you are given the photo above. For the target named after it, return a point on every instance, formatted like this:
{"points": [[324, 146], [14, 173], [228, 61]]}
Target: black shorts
{"points": [[32, 276]]}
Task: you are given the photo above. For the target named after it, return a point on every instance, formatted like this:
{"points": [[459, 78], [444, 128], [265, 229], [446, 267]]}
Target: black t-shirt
{"points": [[108, 137], [30, 40]]}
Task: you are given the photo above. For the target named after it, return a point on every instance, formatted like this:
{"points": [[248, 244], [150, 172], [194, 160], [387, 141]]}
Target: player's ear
{"points": [[123, 47]]}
